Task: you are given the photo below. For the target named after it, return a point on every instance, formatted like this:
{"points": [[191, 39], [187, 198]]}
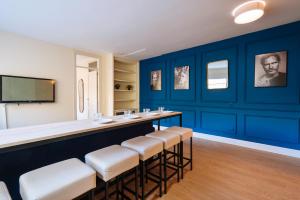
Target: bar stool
{"points": [[185, 134], [4, 194], [169, 140], [147, 148], [67, 179], [112, 162]]}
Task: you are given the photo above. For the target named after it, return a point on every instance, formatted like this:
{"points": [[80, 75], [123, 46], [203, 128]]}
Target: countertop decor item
{"points": [[117, 86], [129, 87]]}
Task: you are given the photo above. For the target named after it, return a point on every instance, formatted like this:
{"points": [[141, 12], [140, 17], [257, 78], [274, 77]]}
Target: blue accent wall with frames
{"points": [[269, 115]]}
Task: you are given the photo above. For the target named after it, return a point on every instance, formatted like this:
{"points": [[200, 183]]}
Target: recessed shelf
{"points": [[124, 71], [125, 81], [124, 90], [123, 109], [124, 100], [126, 75]]}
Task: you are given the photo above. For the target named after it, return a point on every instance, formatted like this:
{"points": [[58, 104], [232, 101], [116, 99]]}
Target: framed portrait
{"points": [[271, 69], [156, 80], [182, 78]]}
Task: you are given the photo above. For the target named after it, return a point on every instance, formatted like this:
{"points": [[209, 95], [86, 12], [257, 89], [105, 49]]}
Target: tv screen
{"points": [[16, 89]]}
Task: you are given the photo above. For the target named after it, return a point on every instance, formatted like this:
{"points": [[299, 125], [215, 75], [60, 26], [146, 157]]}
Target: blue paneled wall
{"points": [[265, 115]]}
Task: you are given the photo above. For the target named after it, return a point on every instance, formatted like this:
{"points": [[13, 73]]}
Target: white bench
{"points": [[4, 194], [67, 179]]}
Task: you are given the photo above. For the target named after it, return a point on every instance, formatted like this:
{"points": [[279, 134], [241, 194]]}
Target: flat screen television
{"points": [[18, 89]]}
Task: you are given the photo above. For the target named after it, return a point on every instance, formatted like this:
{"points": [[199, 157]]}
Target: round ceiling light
{"points": [[249, 11]]}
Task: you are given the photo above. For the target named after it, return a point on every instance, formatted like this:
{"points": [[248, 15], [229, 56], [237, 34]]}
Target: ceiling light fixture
{"points": [[249, 11]]}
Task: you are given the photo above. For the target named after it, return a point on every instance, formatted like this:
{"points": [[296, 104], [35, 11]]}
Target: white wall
{"points": [[22, 56]]}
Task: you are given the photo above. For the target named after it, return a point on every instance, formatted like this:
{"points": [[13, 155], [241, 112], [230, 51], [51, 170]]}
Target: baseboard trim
{"points": [[252, 145]]}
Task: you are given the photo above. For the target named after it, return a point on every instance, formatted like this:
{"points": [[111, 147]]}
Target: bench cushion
{"points": [[185, 133], [145, 146], [169, 139], [60, 181], [4, 194], [112, 161]]}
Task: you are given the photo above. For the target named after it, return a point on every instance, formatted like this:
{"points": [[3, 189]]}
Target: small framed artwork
{"points": [[271, 69], [182, 78], [156, 80]]}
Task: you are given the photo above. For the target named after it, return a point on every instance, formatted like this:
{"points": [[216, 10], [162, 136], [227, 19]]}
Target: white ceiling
{"points": [[125, 26]]}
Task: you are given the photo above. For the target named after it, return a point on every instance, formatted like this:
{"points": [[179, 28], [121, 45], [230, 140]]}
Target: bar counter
{"points": [[28, 148]]}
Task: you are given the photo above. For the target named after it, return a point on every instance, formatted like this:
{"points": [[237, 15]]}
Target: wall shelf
{"points": [[125, 81], [123, 71], [126, 73], [124, 100], [124, 109], [125, 90]]}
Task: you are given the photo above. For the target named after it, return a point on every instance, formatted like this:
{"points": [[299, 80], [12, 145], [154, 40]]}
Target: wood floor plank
{"points": [[228, 172]]}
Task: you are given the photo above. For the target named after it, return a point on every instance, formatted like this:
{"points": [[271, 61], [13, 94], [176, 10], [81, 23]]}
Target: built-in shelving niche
{"points": [[126, 73]]}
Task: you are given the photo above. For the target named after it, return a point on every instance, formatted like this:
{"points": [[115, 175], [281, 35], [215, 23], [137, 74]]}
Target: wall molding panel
{"points": [[269, 116], [242, 143]]}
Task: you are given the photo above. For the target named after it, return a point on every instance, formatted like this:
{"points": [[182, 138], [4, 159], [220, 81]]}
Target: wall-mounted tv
{"points": [[17, 89]]}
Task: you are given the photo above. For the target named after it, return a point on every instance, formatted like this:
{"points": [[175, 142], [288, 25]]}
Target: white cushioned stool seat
{"points": [[112, 161], [4, 194], [145, 146], [185, 133], [169, 139], [67, 179]]}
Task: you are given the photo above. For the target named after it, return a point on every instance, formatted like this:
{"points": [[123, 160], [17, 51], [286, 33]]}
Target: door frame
{"points": [[82, 53]]}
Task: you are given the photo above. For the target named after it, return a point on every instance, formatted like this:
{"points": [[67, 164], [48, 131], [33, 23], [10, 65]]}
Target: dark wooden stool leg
{"points": [[191, 153], [160, 175], [136, 183], [165, 171], [122, 187], [174, 150], [91, 194], [146, 170], [181, 158], [106, 191], [178, 162], [143, 179], [117, 188]]}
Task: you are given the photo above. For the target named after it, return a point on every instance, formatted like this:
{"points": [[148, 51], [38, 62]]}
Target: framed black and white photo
{"points": [[271, 69], [156, 80], [182, 78]]}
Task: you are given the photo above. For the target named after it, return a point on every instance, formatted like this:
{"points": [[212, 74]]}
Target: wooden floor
{"points": [[228, 172]]}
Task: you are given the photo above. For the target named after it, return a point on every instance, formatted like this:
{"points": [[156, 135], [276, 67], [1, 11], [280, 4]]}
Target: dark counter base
{"points": [[15, 163]]}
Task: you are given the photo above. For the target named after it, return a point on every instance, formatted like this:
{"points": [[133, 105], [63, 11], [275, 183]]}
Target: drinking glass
{"points": [[146, 110], [97, 116]]}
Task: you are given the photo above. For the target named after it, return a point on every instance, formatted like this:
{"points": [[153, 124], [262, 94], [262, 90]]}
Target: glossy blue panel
{"points": [[271, 128], [221, 123], [233, 112], [188, 119], [220, 95]]}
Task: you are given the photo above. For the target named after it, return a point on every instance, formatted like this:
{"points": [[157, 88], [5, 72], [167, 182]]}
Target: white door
{"points": [[93, 95]]}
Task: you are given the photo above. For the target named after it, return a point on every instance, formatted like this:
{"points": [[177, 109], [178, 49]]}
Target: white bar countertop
{"points": [[29, 134]]}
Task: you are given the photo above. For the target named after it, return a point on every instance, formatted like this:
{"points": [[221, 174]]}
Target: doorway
{"points": [[86, 86]]}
